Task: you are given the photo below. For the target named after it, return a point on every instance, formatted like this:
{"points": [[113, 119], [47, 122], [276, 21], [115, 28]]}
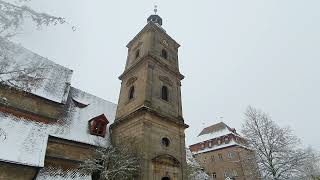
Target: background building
{"points": [[222, 152]]}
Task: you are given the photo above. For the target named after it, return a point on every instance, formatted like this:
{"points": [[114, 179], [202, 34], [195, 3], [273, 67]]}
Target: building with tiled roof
{"points": [[45, 133], [223, 153], [48, 129]]}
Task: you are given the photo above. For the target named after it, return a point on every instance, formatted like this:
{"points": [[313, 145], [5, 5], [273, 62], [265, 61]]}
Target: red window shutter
{"points": [[92, 125], [98, 126]]}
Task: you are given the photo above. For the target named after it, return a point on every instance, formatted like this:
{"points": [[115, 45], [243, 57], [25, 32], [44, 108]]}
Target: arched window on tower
{"points": [[131, 92], [137, 53], [164, 54], [164, 93]]}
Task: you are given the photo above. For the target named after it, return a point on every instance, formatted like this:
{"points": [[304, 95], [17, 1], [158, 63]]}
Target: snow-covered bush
{"points": [[112, 163], [194, 170]]}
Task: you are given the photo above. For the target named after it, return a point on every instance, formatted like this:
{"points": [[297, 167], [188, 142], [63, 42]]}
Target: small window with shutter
{"points": [[98, 125]]}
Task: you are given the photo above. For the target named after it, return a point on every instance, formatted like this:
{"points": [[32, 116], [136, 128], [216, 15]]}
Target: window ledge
{"points": [[130, 100], [168, 102]]}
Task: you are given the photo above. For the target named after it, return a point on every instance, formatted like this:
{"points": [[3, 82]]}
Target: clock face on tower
{"points": [[165, 42]]}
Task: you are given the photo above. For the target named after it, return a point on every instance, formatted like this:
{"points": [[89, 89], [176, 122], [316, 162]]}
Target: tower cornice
{"points": [[155, 59], [146, 109], [152, 26]]}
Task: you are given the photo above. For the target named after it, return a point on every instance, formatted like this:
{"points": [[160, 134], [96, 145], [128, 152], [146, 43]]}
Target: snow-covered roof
{"points": [[48, 173], [214, 131], [219, 146], [55, 81], [24, 141]]}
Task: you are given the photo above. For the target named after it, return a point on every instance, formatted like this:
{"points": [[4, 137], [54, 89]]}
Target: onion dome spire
{"points": [[155, 18]]}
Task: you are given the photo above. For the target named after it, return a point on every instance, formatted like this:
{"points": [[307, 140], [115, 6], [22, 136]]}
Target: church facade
{"points": [[149, 112], [47, 132]]}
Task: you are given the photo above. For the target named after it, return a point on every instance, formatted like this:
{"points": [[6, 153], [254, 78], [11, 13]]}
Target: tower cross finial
{"points": [[155, 9]]}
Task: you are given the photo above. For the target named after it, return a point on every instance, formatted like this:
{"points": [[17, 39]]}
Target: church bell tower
{"points": [[149, 113]]}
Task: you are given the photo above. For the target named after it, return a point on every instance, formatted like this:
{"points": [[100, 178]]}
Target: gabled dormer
{"points": [[98, 125]]}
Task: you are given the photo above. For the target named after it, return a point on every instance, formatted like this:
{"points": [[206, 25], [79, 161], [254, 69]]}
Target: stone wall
{"points": [[136, 79], [29, 104], [10, 171], [144, 133], [68, 150]]}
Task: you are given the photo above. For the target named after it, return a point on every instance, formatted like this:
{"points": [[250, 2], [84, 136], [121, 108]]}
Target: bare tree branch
{"points": [[310, 168], [278, 153], [12, 16], [112, 163], [23, 77]]}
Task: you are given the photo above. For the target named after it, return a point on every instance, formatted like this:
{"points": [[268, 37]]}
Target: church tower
{"points": [[149, 113]]}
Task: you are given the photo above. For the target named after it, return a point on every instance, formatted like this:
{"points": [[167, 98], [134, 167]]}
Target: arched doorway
{"points": [[166, 167], [165, 178]]}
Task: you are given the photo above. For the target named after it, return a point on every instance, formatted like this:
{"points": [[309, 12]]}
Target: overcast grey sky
{"points": [[234, 53]]}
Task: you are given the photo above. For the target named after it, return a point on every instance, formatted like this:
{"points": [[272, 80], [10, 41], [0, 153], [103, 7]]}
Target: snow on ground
{"points": [[56, 174]]}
